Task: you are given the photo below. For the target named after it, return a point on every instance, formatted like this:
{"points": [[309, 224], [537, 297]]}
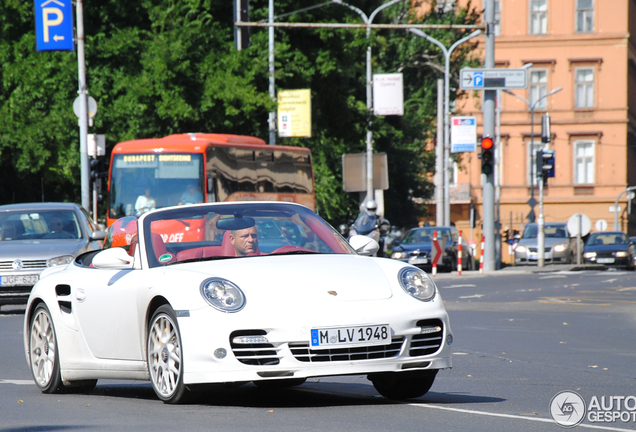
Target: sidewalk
{"points": [[510, 270]]}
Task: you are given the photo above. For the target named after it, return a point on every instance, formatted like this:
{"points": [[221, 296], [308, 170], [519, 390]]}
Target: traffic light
{"points": [[545, 163], [487, 156], [98, 169], [241, 34], [506, 236]]}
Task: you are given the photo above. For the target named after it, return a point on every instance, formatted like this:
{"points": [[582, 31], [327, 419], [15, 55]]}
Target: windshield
{"points": [[219, 231], [553, 231], [424, 235], [39, 225], [602, 239], [144, 182]]}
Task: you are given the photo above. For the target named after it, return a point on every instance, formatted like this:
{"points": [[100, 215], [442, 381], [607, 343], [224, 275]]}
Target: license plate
{"points": [[418, 261], [363, 335], [22, 280], [533, 256], [605, 260]]}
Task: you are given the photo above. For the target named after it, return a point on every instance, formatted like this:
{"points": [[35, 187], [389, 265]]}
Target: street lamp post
{"points": [[532, 202], [368, 20], [629, 189], [446, 165]]}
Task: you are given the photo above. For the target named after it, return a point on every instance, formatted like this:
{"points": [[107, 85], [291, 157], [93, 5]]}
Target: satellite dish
{"points": [[579, 224]]}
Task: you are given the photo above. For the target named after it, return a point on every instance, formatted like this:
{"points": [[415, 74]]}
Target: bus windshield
{"points": [[182, 169], [143, 182]]}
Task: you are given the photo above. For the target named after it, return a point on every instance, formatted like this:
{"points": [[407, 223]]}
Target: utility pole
{"points": [[272, 86], [446, 161], [489, 130], [83, 117]]}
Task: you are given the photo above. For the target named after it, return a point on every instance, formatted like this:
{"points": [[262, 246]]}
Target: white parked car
{"points": [[184, 296]]}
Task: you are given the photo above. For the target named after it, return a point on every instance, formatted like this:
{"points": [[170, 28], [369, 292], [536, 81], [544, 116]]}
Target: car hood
{"points": [[39, 249], [605, 248], [415, 246], [319, 278], [549, 241]]}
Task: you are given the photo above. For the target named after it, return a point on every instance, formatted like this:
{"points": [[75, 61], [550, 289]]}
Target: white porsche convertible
{"points": [[231, 293]]}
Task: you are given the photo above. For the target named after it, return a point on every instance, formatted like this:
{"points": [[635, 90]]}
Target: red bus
{"points": [[184, 169]]}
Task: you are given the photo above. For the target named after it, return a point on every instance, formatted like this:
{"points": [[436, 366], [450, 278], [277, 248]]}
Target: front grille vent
{"points": [[302, 352], [257, 354], [26, 265], [428, 343]]}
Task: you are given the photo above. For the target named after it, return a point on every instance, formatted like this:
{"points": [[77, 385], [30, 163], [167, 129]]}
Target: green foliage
{"points": [[157, 67]]}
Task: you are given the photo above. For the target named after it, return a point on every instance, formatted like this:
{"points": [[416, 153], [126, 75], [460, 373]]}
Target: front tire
{"points": [[165, 356], [403, 385], [43, 352]]}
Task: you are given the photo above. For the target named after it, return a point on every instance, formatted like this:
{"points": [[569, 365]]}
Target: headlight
{"points": [[61, 260], [223, 295], [621, 254], [559, 248], [589, 255], [417, 283], [520, 249], [398, 255]]}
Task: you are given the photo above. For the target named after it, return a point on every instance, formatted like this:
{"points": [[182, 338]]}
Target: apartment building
{"points": [[581, 60]]}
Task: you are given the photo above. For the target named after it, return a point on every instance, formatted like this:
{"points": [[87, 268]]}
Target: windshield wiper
{"points": [[298, 252]]}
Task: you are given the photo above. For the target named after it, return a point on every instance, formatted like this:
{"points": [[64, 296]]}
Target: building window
{"points": [[538, 87], [584, 16], [538, 16], [445, 6], [532, 154], [583, 162], [497, 17], [584, 87]]}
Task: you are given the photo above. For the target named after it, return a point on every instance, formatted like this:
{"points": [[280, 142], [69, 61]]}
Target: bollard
{"points": [[459, 254], [434, 270], [481, 256]]}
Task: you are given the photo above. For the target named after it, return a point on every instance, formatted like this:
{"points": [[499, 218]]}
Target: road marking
{"points": [[542, 420], [553, 277], [17, 382], [462, 286], [557, 300], [610, 280], [627, 289], [472, 296]]}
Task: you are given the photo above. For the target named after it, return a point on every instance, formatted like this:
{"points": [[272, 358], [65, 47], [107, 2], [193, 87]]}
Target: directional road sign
{"points": [[54, 25], [493, 79]]}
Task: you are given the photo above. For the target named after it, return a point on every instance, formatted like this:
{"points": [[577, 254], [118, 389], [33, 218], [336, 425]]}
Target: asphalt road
{"points": [[520, 339]]}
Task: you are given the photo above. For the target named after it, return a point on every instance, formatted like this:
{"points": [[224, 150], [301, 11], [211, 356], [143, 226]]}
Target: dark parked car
{"points": [[612, 248], [415, 248], [34, 237]]}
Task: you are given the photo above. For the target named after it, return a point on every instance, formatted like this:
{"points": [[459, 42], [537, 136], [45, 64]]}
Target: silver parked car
{"points": [[37, 236], [559, 247]]}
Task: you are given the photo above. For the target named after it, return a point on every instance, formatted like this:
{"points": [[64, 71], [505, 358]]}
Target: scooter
{"points": [[370, 225]]}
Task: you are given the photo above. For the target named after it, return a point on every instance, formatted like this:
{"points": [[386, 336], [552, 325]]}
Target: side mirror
{"points": [[364, 245], [396, 242], [113, 258], [98, 235]]}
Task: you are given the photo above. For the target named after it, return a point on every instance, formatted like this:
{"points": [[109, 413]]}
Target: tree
{"points": [[157, 67]]}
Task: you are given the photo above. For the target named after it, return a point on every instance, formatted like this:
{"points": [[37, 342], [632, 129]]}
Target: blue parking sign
{"points": [[54, 25], [478, 79]]}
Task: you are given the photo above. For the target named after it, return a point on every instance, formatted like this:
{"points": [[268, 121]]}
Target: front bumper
{"points": [[531, 256], [288, 354]]}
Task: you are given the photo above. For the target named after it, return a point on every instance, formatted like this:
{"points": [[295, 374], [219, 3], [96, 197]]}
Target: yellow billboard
{"points": [[294, 113]]}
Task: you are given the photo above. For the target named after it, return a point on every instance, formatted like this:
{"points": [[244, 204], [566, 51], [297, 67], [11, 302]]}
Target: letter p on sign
{"points": [[54, 25]]}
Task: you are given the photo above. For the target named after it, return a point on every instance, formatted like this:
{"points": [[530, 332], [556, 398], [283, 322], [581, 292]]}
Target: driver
{"points": [[245, 241]]}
